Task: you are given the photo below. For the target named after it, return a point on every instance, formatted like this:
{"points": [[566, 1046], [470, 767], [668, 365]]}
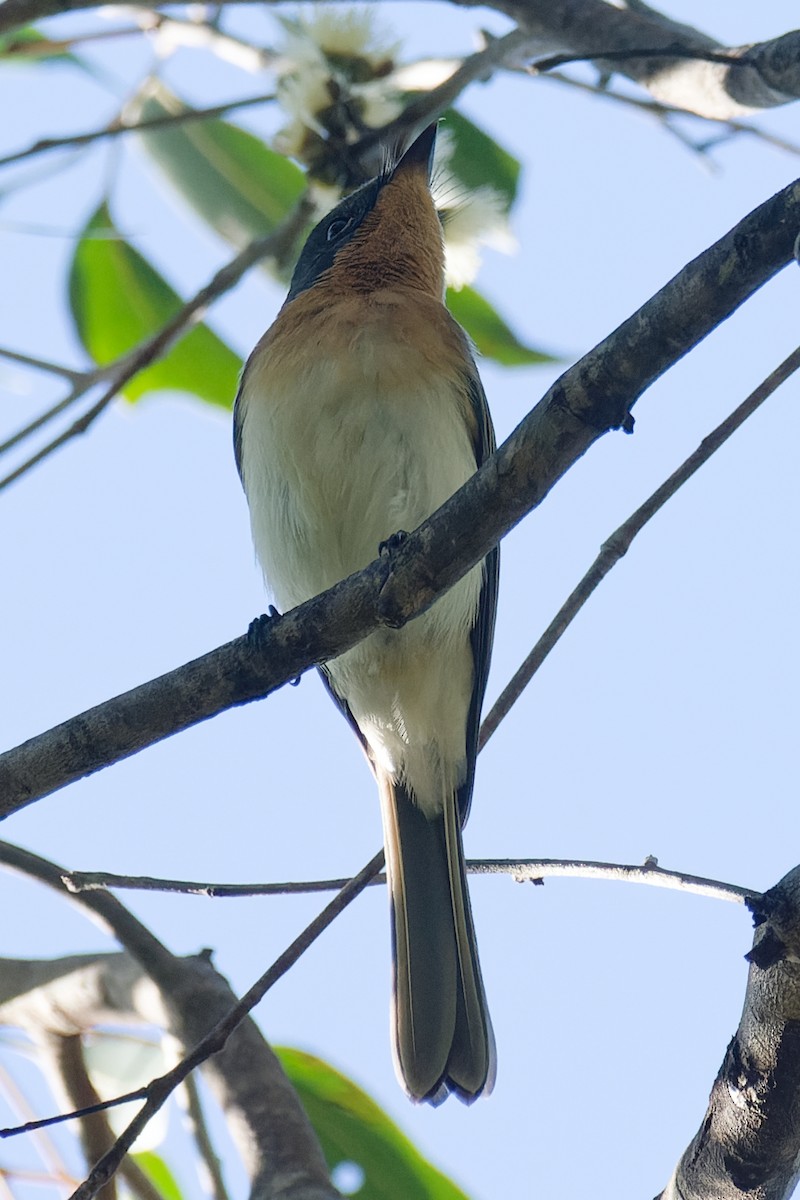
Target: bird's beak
{"points": [[419, 153]]}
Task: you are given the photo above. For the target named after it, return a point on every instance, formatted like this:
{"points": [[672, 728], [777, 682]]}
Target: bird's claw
{"points": [[259, 626], [257, 630], [393, 543]]}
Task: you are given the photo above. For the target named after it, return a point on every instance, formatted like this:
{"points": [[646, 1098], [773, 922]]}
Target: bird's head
{"points": [[386, 234]]}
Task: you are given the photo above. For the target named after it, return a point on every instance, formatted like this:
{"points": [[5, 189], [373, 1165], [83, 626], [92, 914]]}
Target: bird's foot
{"points": [[259, 627], [392, 544], [257, 630]]}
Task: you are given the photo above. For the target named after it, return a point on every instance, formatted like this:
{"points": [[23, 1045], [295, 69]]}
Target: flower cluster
{"points": [[470, 218], [335, 82], [338, 77]]}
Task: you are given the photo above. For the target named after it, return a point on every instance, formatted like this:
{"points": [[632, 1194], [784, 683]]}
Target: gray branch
{"points": [[748, 1144], [591, 398], [683, 77], [147, 984], [609, 36]]}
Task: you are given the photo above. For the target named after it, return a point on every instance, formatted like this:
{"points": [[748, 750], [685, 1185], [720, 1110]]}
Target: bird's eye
{"points": [[337, 227]]}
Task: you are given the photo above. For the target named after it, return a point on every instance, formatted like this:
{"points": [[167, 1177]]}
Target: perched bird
{"points": [[359, 413]]}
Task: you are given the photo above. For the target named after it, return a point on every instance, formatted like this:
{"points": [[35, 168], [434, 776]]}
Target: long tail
{"points": [[443, 1038]]}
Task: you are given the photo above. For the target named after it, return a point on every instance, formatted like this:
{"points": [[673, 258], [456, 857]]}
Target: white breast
{"points": [[334, 461]]}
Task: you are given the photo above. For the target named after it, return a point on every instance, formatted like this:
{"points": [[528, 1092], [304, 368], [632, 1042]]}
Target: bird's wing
{"points": [[344, 708], [483, 630]]}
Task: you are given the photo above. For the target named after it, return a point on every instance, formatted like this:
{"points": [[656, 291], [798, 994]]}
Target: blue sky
{"points": [[664, 723]]}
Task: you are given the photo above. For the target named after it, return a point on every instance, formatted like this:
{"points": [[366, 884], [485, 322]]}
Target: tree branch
{"points": [[513, 47], [48, 1151], [525, 870], [274, 244], [748, 1143], [117, 128], [588, 29], [610, 37], [208, 1159], [63, 1055], [188, 996], [618, 544], [665, 114], [592, 397]]}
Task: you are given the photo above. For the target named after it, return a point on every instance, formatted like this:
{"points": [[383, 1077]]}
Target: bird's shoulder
{"points": [[397, 342], [404, 324]]}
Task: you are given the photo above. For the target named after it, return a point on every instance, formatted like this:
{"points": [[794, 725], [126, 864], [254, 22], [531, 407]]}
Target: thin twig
{"points": [[44, 418], [75, 1114], [527, 869], [42, 364], [425, 107], [672, 51], [138, 1182], [45, 1178], [536, 870], [192, 32], [665, 112], [79, 882], [64, 1061], [158, 1090], [158, 962], [47, 1148], [138, 358], [618, 543], [202, 34], [594, 395], [53, 47], [202, 1139], [116, 129]]}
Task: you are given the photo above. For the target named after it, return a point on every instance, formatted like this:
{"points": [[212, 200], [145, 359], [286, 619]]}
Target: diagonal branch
{"points": [[748, 1143], [591, 398], [117, 128], [666, 114], [274, 244], [504, 51], [63, 1054], [274, 1137], [602, 31], [210, 1166], [619, 542], [610, 36]]}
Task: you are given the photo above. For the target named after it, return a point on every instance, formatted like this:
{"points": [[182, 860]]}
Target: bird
{"points": [[359, 413]]}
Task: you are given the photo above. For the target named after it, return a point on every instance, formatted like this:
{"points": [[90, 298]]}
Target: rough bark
{"points": [[591, 398], [748, 1144], [66, 997], [609, 36]]}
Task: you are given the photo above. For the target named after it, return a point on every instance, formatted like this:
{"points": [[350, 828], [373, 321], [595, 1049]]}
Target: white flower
{"points": [[118, 1064], [470, 219], [378, 103], [336, 33], [425, 74], [305, 95], [334, 63]]}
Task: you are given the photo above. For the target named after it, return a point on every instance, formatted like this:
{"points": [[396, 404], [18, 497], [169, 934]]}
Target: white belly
{"points": [[333, 465]]}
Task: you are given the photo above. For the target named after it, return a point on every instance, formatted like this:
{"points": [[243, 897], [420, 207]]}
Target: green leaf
{"points": [[491, 335], [236, 184], [353, 1129], [159, 1174], [477, 160], [118, 299]]}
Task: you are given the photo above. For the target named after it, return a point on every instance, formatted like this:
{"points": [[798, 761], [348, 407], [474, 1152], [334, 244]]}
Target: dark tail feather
{"points": [[443, 1037]]}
